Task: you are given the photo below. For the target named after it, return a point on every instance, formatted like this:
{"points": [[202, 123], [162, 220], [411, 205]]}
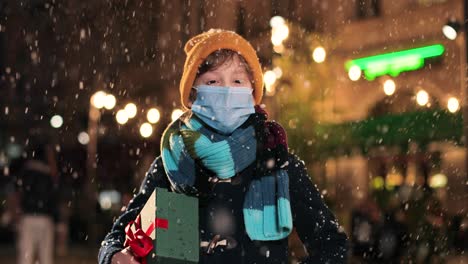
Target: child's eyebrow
{"points": [[240, 70], [210, 74]]}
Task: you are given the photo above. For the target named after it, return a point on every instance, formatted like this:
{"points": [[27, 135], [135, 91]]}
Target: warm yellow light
{"points": [[277, 21], [278, 72], [453, 105], [319, 54], [269, 77], [422, 97], [283, 31], [394, 178], [378, 183], [98, 99], [438, 180], [276, 40], [83, 138], [270, 90], [449, 32], [278, 49], [354, 73], [279, 34], [153, 115], [121, 117], [389, 87], [109, 101], [176, 113], [146, 130], [131, 110], [56, 121]]}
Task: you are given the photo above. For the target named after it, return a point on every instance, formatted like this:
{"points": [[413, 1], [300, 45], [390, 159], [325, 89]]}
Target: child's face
{"points": [[231, 73]]}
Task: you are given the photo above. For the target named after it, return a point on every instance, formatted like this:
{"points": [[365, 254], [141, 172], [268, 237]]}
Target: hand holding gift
{"points": [[124, 257], [165, 231]]}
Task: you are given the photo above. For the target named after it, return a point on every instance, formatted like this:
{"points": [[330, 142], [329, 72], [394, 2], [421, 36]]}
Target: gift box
{"points": [[166, 231]]}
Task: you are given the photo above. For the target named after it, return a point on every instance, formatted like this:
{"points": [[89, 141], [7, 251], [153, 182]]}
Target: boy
{"points": [[224, 151]]}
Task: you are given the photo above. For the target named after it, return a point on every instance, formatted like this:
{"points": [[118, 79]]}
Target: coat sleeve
{"points": [[316, 225], [114, 240]]}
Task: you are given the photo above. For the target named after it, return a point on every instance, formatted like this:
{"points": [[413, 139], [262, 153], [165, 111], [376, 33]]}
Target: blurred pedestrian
{"points": [[392, 236], [432, 232], [36, 193], [223, 149], [366, 220]]}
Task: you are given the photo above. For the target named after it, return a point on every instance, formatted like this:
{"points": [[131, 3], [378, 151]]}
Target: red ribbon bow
{"points": [[140, 241]]}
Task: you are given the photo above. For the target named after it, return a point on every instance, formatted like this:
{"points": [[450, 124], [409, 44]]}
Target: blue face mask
{"points": [[223, 108]]}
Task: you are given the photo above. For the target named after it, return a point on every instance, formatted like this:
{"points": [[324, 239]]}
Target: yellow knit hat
{"points": [[201, 46]]}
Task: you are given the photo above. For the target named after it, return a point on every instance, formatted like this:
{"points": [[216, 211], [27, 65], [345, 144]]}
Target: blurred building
{"points": [[362, 29]]}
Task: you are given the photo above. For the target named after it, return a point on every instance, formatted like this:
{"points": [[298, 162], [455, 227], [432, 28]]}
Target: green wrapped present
{"points": [[166, 231]]}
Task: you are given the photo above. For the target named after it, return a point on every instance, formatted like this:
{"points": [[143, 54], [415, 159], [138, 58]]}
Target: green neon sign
{"points": [[395, 62]]}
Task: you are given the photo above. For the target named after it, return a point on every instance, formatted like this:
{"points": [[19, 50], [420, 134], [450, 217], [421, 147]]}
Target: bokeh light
{"points": [[121, 117], [422, 97], [146, 130], [176, 113], [153, 115], [319, 54], [83, 138], [109, 101], [453, 104], [354, 73], [389, 87], [98, 99], [449, 32], [56, 121], [131, 110]]}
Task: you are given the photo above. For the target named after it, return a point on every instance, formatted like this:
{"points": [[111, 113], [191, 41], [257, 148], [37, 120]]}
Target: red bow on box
{"points": [[140, 241]]}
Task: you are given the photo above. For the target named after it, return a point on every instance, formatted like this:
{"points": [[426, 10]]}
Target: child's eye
{"points": [[211, 82], [238, 81]]}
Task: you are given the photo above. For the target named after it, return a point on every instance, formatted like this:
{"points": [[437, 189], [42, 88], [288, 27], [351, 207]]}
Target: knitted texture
{"points": [[201, 46], [188, 143]]}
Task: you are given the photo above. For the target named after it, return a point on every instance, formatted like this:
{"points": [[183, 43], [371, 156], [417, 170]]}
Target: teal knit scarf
{"points": [[187, 142]]}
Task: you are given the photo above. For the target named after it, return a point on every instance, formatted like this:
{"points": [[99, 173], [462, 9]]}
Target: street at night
{"points": [[233, 131]]}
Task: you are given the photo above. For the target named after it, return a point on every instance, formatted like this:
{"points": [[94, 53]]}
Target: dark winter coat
{"points": [[314, 222]]}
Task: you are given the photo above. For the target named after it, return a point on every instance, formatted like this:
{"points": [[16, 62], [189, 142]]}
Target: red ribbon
{"points": [[140, 241]]}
